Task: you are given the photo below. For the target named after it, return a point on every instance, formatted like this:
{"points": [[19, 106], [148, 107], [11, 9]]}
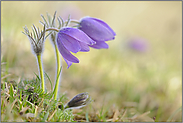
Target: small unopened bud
{"points": [[78, 101]]}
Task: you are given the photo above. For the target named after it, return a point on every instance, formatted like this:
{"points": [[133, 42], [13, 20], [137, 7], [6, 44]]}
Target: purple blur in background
{"points": [[138, 44]]}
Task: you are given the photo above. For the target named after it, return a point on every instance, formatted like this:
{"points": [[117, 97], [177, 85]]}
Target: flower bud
{"points": [[78, 101]]}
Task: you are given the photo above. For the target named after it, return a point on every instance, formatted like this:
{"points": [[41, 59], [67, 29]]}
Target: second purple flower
{"points": [[97, 30], [72, 40]]}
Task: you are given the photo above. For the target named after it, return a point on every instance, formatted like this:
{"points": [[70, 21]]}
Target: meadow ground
{"points": [[125, 83]]}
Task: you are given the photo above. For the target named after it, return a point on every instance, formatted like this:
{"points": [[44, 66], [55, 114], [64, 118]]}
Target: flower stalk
{"points": [[41, 74], [58, 74], [51, 26], [37, 39], [52, 29]]}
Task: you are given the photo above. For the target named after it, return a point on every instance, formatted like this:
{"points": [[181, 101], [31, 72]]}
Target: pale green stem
{"points": [[41, 71], [58, 72], [52, 29], [55, 92], [75, 21]]}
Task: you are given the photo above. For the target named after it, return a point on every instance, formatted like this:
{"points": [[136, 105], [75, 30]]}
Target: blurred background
{"points": [[141, 69]]}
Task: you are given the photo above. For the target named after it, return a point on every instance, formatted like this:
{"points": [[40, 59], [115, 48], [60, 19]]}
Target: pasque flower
{"points": [[97, 30], [72, 40]]}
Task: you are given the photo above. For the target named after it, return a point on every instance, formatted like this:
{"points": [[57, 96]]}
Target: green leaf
{"points": [[69, 18], [53, 21], [86, 115], [21, 100], [48, 35], [171, 117], [37, 76], [36, 32], [44, 20], [3, 87], [60, 18], [59, 23], [11, 93], [25, 101], [46, 116], [49, 80], [49, 18]]}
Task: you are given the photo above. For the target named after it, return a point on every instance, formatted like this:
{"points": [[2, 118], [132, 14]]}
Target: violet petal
{"points": [[99, 45], [104, 24], [68, 63], [70, 43], [96, 29], [77, 34], [65, 53], [84, 47]]}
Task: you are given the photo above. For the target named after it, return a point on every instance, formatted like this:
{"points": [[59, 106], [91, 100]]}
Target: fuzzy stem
{"points": [[58, 73], [55, 92], [41, 71], [75, 21], [52, 29]]}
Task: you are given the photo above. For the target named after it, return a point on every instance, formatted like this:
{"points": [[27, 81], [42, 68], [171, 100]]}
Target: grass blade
{"points": [[49, 80], [86, 115], [171, 117], [37, 76], [21, 100], [11, 93], [46, 116]]}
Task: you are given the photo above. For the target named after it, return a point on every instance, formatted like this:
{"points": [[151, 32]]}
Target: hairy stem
{"points": [[52, 29], [41, 74], [58, 72], [75, 21]]}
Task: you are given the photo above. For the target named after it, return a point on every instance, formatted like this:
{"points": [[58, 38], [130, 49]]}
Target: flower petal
{"points": [[70, 43], [68, 63], [100, 45], [84, 47], [96, 29], [78, 35], [105, 25], [65, 53]]}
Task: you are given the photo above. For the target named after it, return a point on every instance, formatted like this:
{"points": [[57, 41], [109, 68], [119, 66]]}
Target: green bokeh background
{"points": [[148, 81]]}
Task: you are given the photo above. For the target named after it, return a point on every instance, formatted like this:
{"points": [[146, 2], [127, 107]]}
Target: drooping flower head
{"points": [[72, 40], [90, 32], [97, 30]]}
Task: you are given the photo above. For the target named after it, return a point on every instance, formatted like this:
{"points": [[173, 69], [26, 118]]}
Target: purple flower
{"points": [[72, 40], [97, 30]]}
